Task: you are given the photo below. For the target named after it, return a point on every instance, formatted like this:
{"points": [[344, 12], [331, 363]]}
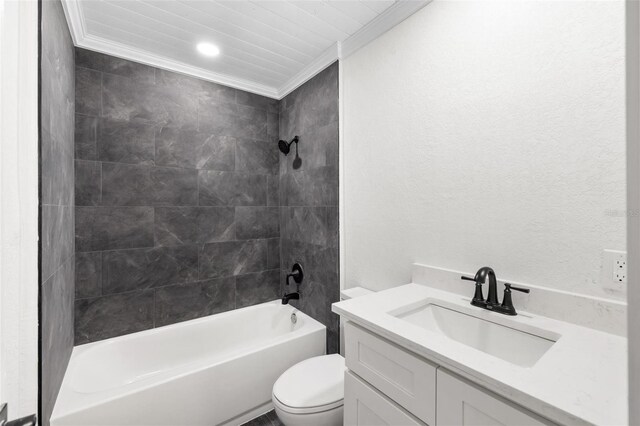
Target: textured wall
{"points": [[176, 198], [57, 211], [309, 196], [487, 133]]}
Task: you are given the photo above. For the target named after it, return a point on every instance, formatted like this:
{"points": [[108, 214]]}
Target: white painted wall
{"points": [[487, 133], [19, 206]]}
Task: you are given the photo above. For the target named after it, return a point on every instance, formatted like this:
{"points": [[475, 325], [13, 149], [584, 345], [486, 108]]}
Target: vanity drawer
{"points": [[405, 378], [364, 406]]}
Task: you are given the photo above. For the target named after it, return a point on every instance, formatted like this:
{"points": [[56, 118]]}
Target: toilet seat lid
{"points": [[314, 382]]}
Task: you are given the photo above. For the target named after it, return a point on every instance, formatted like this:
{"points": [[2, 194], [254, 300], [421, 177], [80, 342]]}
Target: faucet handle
{"points": [[478, 298], [507, 307], [508, 286]]}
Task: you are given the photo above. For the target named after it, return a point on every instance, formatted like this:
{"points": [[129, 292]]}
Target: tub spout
{"points": [[290, 296]]}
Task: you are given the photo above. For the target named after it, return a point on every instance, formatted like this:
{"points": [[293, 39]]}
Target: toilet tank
{"points": [[347, 294]]}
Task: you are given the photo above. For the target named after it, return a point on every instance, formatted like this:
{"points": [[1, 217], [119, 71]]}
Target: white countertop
{"points": [[581, 379]]}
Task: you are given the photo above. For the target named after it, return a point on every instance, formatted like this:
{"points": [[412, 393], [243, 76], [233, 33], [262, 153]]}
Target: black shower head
{"points": [[285, 146]]}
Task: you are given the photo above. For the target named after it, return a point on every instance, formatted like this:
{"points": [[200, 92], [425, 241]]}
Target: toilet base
{"points": [[333, 417]]}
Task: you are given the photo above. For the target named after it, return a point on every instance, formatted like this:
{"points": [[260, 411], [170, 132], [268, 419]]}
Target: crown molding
{"points": [[382, 23], [75, 20], [392, 16], [325, 59], [120, 50]]}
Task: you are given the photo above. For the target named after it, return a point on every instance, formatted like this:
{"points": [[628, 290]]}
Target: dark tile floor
{"points": [[268, 419]]}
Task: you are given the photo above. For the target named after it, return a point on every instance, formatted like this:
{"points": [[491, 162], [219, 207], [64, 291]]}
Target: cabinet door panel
{"points": [[461, 403], [408, 380], [364, 406]]}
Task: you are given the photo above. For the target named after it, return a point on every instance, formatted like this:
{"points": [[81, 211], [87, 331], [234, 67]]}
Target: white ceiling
{"points": [[267, 47]]}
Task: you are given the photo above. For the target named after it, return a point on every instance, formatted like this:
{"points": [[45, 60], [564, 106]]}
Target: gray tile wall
{"points": [[56, 203], [176, 198], [309, 196]]}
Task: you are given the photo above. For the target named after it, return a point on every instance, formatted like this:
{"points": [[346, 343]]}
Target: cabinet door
{"points": [[405, 378], [461, 403], [364, 406]]}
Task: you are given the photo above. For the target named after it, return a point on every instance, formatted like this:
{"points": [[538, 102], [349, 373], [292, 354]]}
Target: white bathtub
{"points": [[209, 371]]}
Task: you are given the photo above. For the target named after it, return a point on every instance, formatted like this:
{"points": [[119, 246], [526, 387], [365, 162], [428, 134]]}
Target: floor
{"points": [[268, 419]]}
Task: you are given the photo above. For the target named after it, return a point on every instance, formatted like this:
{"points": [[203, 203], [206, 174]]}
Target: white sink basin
{"points": [[507, 340]]}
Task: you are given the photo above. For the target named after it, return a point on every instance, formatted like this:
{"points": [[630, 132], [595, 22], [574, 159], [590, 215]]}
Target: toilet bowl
{"points": [[311, 392]]}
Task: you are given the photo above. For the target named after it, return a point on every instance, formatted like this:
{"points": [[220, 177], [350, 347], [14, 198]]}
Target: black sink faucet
{"points": [[298, 275], [491, 303], [480, 278]]}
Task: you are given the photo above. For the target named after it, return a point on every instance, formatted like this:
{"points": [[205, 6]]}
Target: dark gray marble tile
{"points": [[194, 300], [56, 170], [57, 45], [232, 120], [263, 420], [110, 64], [273, 253], [257, 222], [316, 187], [109, 228], [215, 152], [231, 189], [56, 123], [260, 287], [318, 148], [191, 225], [273, 127], [57, 100], [125, 142], [274, 418], [125, 99], [257, 101], [57, 238], [203, 91], [188, 148], [136, 185], [88, 274], [126, 185], [315, 300], [88, 189], [311, 225], [88, 92], [56, 331], [138, 269], [175, 147], [86, 137], [225, 259], [254, 156], [273, 190], [312, 105], [113, 315], [333, 342], [320, 263], [174, 187], [287, 123]]}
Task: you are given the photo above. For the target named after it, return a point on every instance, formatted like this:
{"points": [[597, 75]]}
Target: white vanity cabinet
{"points": [[462, 403], [388, 385]]}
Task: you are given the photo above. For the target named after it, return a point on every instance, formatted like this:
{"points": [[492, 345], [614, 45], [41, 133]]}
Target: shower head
{"points": [[285, 146]]}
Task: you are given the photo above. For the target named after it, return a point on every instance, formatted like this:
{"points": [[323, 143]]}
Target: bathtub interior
{"points": [[112, 369], [147, 354]]}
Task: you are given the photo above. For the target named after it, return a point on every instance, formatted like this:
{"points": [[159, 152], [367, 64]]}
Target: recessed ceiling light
{"points": [[208, 49]]}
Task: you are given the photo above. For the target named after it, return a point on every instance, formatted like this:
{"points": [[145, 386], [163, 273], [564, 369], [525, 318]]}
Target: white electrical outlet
{"points": [[620, 269], [614, 270]]}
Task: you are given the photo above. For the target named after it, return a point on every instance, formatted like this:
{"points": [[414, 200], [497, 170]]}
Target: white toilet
{"points": [[311, 392]]}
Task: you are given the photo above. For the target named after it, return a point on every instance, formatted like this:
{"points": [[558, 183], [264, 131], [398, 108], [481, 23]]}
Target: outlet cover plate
{"points": [[614, 270]]}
